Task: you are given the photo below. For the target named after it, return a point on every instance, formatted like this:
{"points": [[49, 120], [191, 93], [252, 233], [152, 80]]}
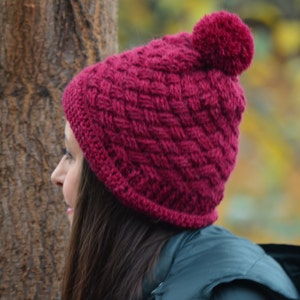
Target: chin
{"points": [[70, 218]]}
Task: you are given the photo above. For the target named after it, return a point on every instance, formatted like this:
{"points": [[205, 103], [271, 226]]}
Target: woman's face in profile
{"points": [[67, 173]]}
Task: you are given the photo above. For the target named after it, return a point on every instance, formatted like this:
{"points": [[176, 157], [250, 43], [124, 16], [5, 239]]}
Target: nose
{"points": [[57, 175]]}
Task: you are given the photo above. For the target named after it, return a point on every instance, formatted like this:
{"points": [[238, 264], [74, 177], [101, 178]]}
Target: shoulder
{"points": [[194, 263]]}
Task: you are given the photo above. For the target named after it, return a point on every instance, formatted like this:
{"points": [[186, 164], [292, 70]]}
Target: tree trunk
{"points": [[42, 45]]}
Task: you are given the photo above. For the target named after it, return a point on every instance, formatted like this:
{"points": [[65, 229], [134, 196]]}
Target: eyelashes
{"points": [[67, 154]]}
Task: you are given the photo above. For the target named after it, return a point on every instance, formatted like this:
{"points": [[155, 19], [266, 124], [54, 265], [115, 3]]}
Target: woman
{"points": [[151, 139]]}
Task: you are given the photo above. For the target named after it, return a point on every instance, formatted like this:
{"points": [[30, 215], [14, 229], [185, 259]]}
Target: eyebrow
{"points": [[65, 138]]}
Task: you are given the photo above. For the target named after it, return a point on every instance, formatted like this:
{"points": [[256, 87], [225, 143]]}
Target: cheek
{"points": [[70, 187]]}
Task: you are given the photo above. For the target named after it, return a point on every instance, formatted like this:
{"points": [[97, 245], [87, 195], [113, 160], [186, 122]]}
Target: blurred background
{"points": [[262, 200]]}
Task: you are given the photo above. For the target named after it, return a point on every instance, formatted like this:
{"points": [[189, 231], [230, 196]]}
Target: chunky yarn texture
{"points": [[159, 124]]}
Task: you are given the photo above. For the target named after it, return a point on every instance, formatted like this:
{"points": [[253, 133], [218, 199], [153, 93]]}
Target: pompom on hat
{"points": [[159, 124]]}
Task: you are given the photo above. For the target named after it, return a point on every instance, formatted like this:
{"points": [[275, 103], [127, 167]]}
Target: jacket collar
{"points": [[210, 256]]}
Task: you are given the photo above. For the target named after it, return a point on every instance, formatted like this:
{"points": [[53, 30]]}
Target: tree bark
{"points": [[42, 45]]}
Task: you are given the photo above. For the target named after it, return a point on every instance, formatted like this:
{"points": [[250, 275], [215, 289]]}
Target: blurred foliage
{"points": [[262, 199]]}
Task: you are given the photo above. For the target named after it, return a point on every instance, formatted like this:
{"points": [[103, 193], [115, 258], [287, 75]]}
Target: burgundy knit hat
{"points": [[159, 124]]}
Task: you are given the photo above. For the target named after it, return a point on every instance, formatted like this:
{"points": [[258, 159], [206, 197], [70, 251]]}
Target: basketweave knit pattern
{"points": [[159, 124]]}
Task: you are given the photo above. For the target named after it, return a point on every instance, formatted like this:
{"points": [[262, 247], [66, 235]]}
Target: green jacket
{"points": [[213, 264]]}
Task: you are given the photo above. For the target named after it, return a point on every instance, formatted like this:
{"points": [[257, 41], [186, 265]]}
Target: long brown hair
{"points": [[111, 247]]}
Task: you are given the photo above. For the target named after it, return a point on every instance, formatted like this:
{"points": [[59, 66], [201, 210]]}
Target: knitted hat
{"points": [[159, 124]]}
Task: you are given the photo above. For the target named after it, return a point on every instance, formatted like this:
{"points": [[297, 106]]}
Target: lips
{"points": [[70, 210]]}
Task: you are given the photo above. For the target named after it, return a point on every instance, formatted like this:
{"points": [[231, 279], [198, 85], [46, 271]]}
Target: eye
{"points": [[66, 154]]}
